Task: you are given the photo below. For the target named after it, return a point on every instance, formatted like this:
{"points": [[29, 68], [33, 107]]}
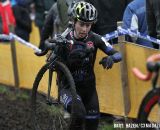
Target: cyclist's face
{"points": [[82, 29]]}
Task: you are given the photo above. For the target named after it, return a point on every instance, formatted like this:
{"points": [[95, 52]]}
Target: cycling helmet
{"points": [[84, 11]]}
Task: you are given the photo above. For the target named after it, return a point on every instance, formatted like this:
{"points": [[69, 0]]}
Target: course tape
{"points": [[119, 32], [12, 36], [5, 37], [133, 33]]}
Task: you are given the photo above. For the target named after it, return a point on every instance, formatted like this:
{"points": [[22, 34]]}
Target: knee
{"points": [[75, 107]]}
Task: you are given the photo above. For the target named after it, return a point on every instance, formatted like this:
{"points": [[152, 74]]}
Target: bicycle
{"points": [[153, 96]]}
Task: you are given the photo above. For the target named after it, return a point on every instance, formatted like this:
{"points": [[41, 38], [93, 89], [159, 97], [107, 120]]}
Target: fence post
{"points": [[124, 75], [14, 59]]}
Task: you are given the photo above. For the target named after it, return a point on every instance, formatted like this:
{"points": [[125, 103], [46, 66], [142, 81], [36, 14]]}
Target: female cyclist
{"points": [[81, 65]]}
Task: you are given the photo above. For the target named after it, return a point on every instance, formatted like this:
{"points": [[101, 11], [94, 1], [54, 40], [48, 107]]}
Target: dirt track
{"points": [[14, 109]]}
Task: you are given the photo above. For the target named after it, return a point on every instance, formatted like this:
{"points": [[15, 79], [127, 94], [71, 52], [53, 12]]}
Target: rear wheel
{"points": [[48, 112]]}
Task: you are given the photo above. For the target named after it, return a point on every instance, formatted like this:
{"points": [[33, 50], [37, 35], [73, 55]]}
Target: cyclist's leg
{"points": [[92, 110], [79, 110], [90, 99]]}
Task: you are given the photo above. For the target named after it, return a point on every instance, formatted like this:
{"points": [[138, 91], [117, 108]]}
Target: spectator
{"points": [[23, 22], [153, 19], [109, 13], [7, 17], [53, 15], [134, 18], [62, 6], [41, 8], [1, 29]]}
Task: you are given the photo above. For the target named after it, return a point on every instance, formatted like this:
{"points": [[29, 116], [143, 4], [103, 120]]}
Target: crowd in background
{"points": [[139, 15]]}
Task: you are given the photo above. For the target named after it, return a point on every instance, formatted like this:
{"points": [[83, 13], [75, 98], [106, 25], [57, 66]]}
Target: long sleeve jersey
{"points": [[83, 69]]}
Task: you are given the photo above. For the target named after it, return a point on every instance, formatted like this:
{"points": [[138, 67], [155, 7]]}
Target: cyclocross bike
{"points": [[152, 98], [45, 107]]}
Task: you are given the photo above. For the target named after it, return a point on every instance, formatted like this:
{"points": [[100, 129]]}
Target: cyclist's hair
{"points": [[84, 11]]}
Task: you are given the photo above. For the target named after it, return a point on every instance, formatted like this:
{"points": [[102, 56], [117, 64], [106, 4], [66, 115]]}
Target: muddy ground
{"points": [[15, 110]]}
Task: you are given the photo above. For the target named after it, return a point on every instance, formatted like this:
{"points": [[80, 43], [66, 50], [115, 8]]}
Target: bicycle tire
{"points": [[148, 103], [34, 100]]}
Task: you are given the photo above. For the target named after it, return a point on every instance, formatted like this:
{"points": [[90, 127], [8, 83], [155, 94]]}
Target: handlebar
{"points": [[53, 44], [152, 66]]}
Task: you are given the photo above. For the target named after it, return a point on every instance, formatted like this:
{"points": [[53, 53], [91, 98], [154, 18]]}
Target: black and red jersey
{"points": [[83, 68]]}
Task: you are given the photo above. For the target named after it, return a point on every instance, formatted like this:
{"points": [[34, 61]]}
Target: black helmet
{"points": [[84, 11]]}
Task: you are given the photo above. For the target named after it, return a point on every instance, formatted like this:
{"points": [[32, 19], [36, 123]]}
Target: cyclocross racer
{"points": [[84, 15]]}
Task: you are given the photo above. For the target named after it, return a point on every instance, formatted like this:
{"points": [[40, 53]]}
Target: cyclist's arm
{"points": [[107, 48], [48, 27]]}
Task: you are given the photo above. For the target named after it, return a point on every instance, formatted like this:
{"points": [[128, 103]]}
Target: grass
{"points": [[3, 89], [13, 96], [107, 127], [23, 96]]}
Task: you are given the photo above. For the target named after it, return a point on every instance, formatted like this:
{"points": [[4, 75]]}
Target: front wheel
{"points": [[47, 111], [148, 104]]}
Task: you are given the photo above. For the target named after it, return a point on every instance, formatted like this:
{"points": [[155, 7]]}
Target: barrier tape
{"points": [[119, 32], [133, 33], [5, 37], [20, 40], [115, 34], [12, 36]]}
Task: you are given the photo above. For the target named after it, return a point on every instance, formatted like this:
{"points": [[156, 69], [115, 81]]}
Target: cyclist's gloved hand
{"points": [[107, 62], [60, 39]]}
